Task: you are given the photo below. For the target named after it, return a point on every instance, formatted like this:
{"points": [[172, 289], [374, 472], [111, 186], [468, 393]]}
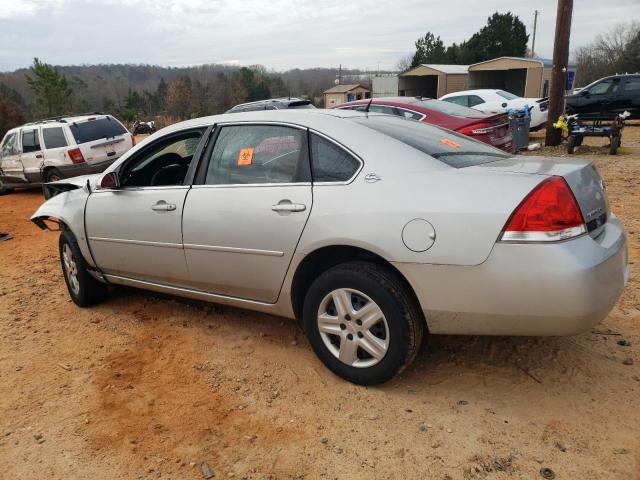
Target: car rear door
{"points": [[10, 158], [32, 156], [629, 98], [244, 217], [135, 230]]}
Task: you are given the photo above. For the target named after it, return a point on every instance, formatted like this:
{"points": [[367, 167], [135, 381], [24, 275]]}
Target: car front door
{"points": [[134, 230], [32, 156], [243, 218]]}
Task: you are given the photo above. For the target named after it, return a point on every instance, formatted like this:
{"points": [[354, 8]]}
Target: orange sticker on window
{"points": [[245, 156], [450, 143]]}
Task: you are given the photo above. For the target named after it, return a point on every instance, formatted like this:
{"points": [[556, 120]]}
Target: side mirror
{"points": [[110, 181], [584, 93]]}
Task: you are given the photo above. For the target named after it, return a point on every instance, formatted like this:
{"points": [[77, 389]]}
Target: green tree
{"points": [[51, 88], [11, 115], [429, 49], [504, 35]]}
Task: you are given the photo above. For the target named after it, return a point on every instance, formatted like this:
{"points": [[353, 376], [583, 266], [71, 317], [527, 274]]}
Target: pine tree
{"points": [[51, 88]]}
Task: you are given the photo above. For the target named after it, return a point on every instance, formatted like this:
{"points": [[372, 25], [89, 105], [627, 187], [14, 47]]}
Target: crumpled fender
{"points": [[67, 208]]}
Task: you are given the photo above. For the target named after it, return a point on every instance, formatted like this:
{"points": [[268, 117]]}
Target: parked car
{"points": [[272, 104], [609, 97], [488, 128], [498, 101], [371, 229], [49, 150], [144, 128]]}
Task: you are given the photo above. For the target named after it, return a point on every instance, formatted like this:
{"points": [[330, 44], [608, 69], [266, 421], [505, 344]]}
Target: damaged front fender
{"points": [[67, 210]]}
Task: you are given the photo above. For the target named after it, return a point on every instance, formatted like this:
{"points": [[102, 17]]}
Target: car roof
{"points": [[66, 119]]}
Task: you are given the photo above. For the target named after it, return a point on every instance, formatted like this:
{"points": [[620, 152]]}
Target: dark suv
{"points": [[271, 104], [608, 96]]}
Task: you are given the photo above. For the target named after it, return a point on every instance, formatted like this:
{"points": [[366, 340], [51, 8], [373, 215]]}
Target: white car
{"points": [[499, 101], [63, 147]]}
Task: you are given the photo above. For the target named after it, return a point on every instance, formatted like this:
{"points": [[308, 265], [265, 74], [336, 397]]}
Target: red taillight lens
{"points": [[549, 213], [76, 155]]}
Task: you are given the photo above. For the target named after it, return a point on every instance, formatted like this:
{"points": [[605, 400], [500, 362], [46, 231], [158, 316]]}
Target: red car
{"points": [[486, 127]]}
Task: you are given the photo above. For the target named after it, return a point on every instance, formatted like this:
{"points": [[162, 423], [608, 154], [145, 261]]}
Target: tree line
{"points": [[144, 92]]}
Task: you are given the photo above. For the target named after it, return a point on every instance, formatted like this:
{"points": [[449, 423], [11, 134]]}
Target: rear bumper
{"points": [[526, 289], [78, 169]]}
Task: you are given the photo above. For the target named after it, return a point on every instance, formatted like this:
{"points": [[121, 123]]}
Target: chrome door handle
{"points": [[287, 206], [163, 206]]}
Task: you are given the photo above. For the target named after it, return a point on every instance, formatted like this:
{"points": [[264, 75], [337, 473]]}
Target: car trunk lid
{"points": [[581, 176]]}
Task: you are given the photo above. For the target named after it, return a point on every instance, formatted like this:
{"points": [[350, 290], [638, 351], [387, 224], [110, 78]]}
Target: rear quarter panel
{"points": [[466, 207]]}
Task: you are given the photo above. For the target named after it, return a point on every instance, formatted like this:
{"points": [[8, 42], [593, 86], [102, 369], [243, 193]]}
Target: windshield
{"points": [[105, 127], [448, 108], [449, 147], [507, 95]]}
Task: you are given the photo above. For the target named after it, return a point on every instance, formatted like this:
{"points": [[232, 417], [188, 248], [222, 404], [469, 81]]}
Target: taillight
{"points": [[480, 128], [76, 155], [548, 214]]}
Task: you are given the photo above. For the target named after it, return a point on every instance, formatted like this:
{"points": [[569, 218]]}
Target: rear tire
{"points": [[362, 322], [571, 144], [4, 189], [83, 288], [52, 175]]}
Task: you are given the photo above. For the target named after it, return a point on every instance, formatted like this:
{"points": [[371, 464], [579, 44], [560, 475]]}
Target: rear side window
{"points": [[30, 141], [449, 147], [632, 85], [474, 100], [258, 154], [97, 129], [330, 163], [54, 137], [461, 100]]}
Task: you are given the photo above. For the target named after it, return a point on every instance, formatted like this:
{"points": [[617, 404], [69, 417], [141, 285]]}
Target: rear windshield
{"points": [[507, 95], [449, 147], [105, 127], [448, 108]]}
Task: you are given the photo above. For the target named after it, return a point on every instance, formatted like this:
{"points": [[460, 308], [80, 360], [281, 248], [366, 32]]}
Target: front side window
{"points": [[258, 154], [54, 137], [382, 109], [164, 163], [330, 163], [30, 141]]}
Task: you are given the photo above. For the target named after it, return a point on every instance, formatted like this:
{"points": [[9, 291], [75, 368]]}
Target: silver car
{"points": [[371, 229]]}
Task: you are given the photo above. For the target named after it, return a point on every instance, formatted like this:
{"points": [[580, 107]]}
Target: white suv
{"points": [[62, 147]]}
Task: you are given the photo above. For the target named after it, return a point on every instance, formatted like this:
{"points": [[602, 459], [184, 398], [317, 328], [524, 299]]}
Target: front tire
{"points": [[83, 288], [362, 322]]}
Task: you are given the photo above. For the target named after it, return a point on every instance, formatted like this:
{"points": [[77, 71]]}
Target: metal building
{"points": [[432, 80], [525, 77]]}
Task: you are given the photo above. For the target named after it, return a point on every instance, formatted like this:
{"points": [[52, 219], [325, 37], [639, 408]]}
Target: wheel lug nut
{"points": [[350, 337], [359, 322], [360, 335], [342, 326], [347, 317]]}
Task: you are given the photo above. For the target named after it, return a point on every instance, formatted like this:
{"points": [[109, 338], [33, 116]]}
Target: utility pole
{"points": [[559, 70], [535, 27]]}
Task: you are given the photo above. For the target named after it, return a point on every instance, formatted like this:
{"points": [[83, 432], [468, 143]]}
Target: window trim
{"points": [[422, 115], [339, 145], [201, 175]]}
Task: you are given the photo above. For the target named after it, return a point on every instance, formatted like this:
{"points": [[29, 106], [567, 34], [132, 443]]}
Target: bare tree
{"points": [[404, 63]]}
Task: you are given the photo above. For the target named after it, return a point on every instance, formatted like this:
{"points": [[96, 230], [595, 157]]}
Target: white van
{"points": [[62, 147]]}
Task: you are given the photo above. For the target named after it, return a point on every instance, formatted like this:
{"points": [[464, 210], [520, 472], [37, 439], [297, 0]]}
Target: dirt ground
{"points": [[146, 386]]}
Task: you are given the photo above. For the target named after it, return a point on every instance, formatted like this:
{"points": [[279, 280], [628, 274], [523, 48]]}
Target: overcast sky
{"points": [[279, 34]]}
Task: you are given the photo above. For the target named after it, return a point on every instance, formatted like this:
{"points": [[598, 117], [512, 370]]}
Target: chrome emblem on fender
{"points": [[372, 177]]}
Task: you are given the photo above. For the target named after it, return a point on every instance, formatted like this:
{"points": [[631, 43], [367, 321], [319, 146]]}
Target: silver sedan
{"points": [[373, 230]]}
